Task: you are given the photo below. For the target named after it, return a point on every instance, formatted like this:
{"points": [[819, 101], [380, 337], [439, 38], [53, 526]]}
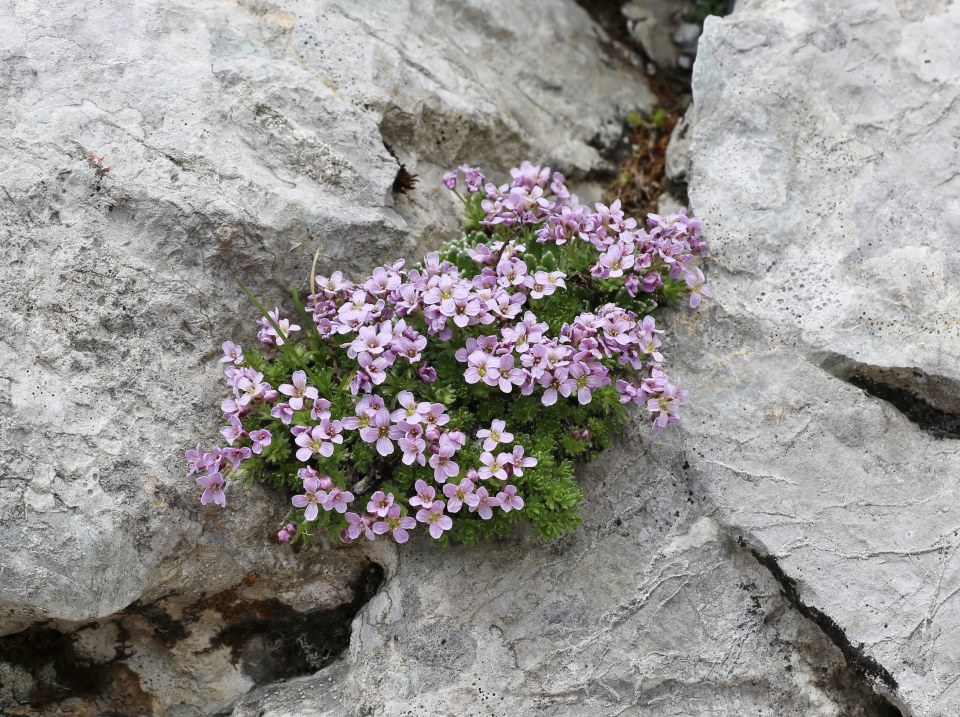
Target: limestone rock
{"points": [[824, 425], [240, 137]]}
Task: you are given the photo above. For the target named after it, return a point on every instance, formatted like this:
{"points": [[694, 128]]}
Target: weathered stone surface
{"points": [[650, 608], [824, 163], [240, 137]]}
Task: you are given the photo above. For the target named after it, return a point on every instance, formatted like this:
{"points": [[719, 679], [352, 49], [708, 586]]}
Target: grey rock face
{"points": [[824, 162], [239, 137], [650, 608]]}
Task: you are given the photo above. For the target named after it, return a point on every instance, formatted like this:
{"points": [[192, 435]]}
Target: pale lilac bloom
{"points": [[337, 499], [357, 524], [497, 433], [479, 365], [450, 179], [234, 431], [413, 450], [435, 518], [425, 495], [482, 502], [410, 411], [457, 494], [504, 375], [382, 432], [196, 458], [268, 334], [380, 503], [443, 467], [396, 525], [518, 461], [284, 412], [320, 439], [493, 467], [261, 439], [427, 374], [326, 482], [320, 409], [436, 416], [232, 353], [509, 500], [698, 289], [298, 391], [212, 489], [312, 496]]}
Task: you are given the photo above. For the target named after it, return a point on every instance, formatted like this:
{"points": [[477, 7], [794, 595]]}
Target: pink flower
{"points": [[509, 500], [425, 495], [382, 432], [698, 289], [494, 435], [410, 411], [298, 391], [443, 467], [494, 467], [232, 353], [338, 500], [479, 365], [518, 461], [380, 503], [396, 525], [261, 439], [435, 518], [320, 439], [457, 494], [482, 503], [311, 498], [213, 489], [357, 524]]}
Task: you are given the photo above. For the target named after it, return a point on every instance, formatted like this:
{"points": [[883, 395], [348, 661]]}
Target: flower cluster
{"points": [[453, 395]]}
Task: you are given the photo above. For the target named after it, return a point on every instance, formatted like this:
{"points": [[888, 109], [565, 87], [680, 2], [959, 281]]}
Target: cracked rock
{"points": [[822, 426], [237, 139]]}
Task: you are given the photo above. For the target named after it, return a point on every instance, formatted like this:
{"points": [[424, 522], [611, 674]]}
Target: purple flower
{"points": [[380, 503], [494, 467], [509, 500], [698, 289], [268, 334], [482, 502], [427, 374], [298, 391], [382, 432], [497, 433], [450, 179], [357, 524], [284, 412], [435, 518], [410, 411], [311, 498], [396, 525], [261, 439], [320, 439], [443, 467], [457, 494], [518, 461], [213, 489], [425, 495], [479, 365], [413, 450], [338, 500], [232, 353]]}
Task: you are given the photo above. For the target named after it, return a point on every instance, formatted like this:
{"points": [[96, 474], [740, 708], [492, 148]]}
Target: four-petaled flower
{"points": [[396, 525], [311, 498], [497, 433], [435, 518], [212, 489]]}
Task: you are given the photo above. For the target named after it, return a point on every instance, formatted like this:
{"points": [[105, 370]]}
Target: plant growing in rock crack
{"points": [[454, 395]]}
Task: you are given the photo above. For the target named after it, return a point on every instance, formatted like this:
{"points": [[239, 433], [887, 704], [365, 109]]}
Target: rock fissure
{"points": [[241, 636], [863, 664], [931, 402]]}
